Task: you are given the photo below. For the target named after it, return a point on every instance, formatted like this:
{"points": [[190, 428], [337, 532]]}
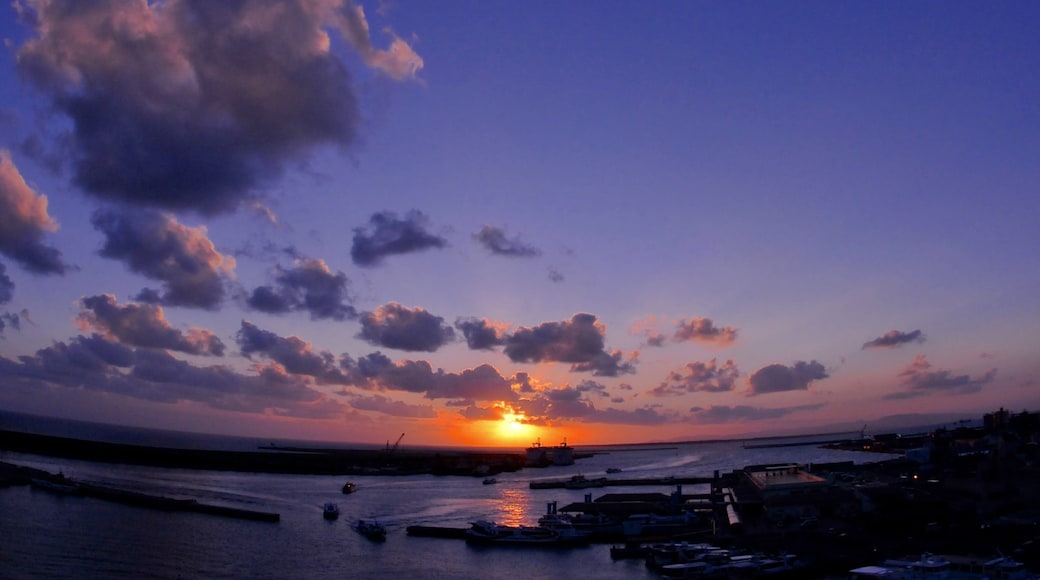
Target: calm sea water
{"points": [[48, 536]]}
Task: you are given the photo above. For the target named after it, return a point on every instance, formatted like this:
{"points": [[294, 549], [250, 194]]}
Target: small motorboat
{"points": [[490, 480], [371, 529], [330, 511], [349, 487]]}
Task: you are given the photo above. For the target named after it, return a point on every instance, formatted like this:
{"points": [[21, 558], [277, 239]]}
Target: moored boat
{"points": [[330, 511], [485, 532]]}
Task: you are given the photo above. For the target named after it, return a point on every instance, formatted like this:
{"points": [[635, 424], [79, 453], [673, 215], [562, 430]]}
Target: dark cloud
{"points": [[606, 364], [579, 340], [894, 338], [555, 275], [381, 404], [191, 104], [387, 235], [97, 364], [6, 286], [569, 403], [481, 334], [700, 377], [483, 383], [776, 378], [11, 319], [918, 379], [475, 413], [144, 325], [494, 240], [157, 246], [741, 413], [398, 327], [703, 330], [295, 355], [308, 286], [24, 222]]}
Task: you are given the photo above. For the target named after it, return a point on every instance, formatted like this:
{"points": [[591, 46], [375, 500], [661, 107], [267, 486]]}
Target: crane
{"points": [[390, 450]]}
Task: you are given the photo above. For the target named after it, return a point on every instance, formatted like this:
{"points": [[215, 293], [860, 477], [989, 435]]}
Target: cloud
{"points": [[894, 338], [555, 275], [381, 404], [776, 378], [494, 240], [158, 247], [100, 365], [24, 221], [387, 235], [578, 341], [13, 319], [483, 383], [699, 377], [308, 286], [143, 325], [646, 328], [918, 379], [569, 403], [740, 413], [6, 286], [396, 326], [194, 105], [703, 330], [606, 364], [482, 334], [295, 355]]}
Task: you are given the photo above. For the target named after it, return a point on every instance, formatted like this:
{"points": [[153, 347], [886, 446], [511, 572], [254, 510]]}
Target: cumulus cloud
{"points": [[294, 354], [97, 364], [483, 383], [703, 330], [308, 286], [740, 413], [894, 338], [24, 222], [777, 378], [495, 240], [386, 406], [608, 364], [395, 326], [482, 334], [157, 246], [180, 104], [578, 341], [571, 403], [647, 329], [388, 235], [918, 379], [698, 376], [143, 325]]}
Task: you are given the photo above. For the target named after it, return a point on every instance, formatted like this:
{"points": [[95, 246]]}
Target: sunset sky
{"points": [[488, 222]]}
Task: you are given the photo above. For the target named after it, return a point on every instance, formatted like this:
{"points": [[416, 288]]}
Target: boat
{"points": [[582, 482], [57, 484], [371, 529], [613, 470], [490, 481], [484, 532], [330, 511], [349, 487]]}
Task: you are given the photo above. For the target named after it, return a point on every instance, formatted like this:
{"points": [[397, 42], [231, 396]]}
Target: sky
{"points": [[491, 223]]}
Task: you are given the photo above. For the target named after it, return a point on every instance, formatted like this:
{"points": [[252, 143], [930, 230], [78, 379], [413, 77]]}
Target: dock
{"points": [[609, 481]]}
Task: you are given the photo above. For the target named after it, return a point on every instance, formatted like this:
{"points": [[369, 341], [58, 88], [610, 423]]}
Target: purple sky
{"points": [[486, 222]]}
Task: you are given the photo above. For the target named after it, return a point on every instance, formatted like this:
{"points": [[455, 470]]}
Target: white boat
{"points": [[330, 511]]}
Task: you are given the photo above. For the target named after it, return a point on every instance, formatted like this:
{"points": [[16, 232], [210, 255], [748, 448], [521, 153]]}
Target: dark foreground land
{"points": [[272, 460]]}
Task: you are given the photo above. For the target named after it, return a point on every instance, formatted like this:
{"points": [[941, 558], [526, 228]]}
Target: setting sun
{"points": [[512, 430]]}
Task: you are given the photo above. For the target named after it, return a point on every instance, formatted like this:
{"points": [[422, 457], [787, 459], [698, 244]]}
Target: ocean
{"points": [[43, 535]]}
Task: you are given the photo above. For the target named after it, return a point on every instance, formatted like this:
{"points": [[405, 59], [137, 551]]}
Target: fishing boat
{"points": [[371, 529], [330, 511], [349, 487]]}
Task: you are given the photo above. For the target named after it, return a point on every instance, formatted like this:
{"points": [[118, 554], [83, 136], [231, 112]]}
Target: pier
{"points": [[584, 483]]}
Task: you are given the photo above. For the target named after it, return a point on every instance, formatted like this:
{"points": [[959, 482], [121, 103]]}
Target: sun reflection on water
{"points": [[513, 508]]}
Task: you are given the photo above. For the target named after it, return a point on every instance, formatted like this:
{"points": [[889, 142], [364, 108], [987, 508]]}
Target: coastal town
{"points": [[962, 500]]}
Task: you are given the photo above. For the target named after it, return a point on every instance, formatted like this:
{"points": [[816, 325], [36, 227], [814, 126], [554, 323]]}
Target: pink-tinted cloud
{"points": [[481, 333], [704, 330], [159, 247], [387, 406], [579, 341], [143, 325], [698, 376], [716, 414], [181, 104], [918, 379], [24, 222]]}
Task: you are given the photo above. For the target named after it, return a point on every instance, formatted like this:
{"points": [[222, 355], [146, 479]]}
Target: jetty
{"points": [[13, 474], [580, 482]]}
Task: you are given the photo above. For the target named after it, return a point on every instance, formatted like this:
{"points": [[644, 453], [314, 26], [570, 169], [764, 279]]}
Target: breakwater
{"points": [[20, 475]]}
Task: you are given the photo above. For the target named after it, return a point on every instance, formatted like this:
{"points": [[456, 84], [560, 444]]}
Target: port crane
{"points": [[390, 450]]}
